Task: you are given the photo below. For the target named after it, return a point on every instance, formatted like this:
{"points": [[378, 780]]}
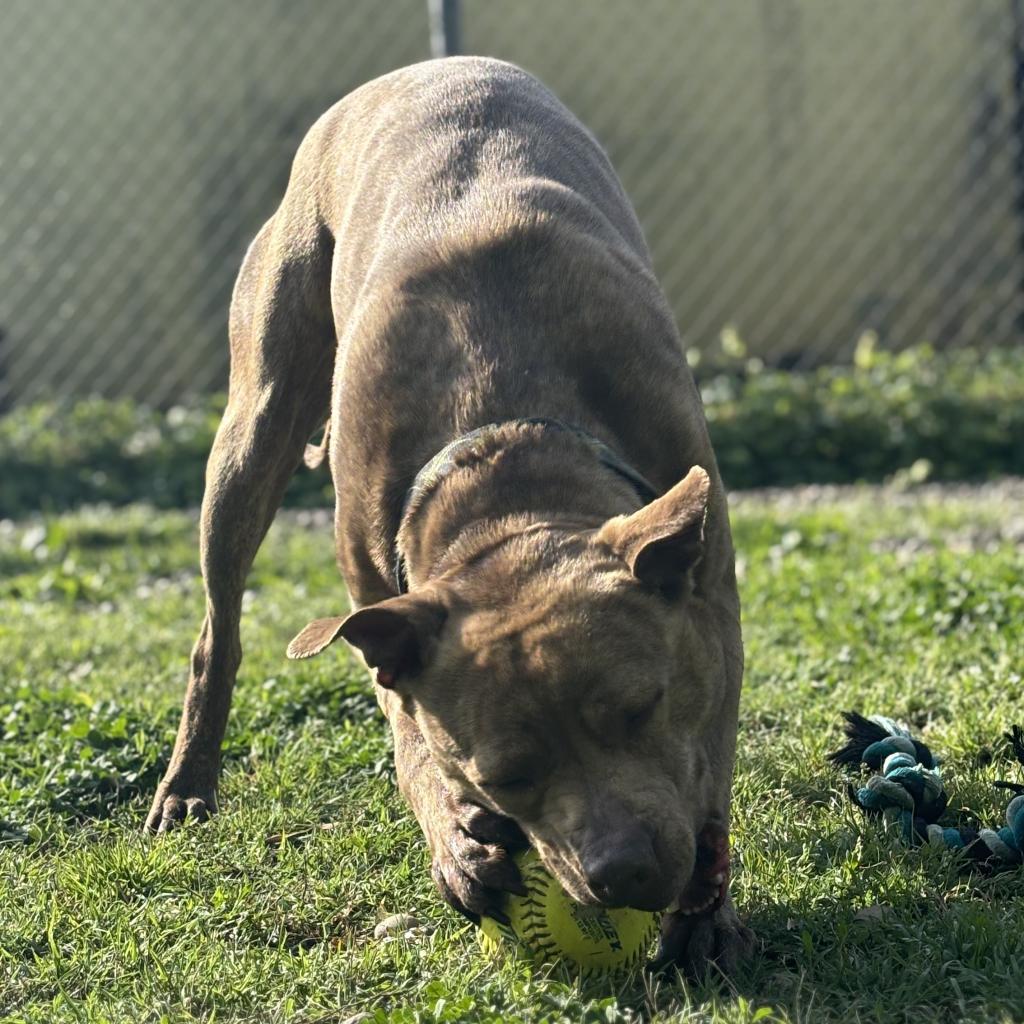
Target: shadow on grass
{"points": [[934, 960]]}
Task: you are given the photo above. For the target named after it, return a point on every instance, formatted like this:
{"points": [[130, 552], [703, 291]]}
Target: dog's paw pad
{"points": [[173, 805]]}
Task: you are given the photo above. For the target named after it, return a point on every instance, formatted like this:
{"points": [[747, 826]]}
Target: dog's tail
{"points": [[314, 454]]}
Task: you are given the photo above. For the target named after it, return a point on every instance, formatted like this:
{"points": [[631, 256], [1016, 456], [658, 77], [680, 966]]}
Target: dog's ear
{"points": [[396, 636], [664, 540]]}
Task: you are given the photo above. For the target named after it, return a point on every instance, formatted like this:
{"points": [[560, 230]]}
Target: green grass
{"points": [[885, 601]]}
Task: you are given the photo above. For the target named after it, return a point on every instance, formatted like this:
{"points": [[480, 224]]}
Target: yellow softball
{"points": [[551, 926]]}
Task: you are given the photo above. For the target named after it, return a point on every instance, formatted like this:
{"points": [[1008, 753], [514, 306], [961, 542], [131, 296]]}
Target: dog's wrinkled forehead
{"points": [[560, 619], [549, 658]]}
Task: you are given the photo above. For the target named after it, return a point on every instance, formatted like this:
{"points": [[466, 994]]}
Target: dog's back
{"points": [[446, 149]]}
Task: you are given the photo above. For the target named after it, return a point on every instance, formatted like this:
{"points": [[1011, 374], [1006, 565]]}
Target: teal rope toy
{"points": [[909, 789]]}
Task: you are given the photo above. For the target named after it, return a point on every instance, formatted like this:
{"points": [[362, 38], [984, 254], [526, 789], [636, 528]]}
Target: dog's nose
{"points": [[623, 872]]}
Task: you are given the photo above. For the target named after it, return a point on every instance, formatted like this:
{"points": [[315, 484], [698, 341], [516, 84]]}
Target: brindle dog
{"points": [[559, 654]]}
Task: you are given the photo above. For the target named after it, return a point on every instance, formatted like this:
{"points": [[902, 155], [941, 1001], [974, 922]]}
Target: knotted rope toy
{"points": [[910, 790]]}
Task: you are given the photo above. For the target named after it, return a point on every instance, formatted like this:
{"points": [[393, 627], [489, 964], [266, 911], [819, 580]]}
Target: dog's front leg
{"points": [[244, 489], [282, 354], [470, 846], [695, 942]]}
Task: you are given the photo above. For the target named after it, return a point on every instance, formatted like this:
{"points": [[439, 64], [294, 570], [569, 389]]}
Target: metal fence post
{"points": [[444, 27]]}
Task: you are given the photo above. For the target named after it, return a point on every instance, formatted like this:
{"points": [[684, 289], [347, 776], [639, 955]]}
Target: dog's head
{"points": [[577, 682]]}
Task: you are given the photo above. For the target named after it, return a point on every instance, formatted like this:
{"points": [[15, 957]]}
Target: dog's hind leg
{"points": [[282, 353]]}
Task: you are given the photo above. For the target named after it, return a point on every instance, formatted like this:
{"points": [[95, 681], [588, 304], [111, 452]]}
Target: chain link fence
{"points": [[805, 170]]}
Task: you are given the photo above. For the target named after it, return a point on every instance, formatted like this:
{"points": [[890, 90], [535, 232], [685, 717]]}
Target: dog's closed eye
{"points": [[640, 716]]}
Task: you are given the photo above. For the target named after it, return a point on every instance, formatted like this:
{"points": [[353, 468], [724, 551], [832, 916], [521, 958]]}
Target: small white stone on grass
{"points": [[396, 924]]}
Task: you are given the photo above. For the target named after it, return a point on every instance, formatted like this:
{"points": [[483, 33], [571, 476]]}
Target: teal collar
{"points": [[447, 459]]}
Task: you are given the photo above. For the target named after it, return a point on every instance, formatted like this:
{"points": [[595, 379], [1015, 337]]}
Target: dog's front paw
{"points": [[696, 942], [472, 858], [178, 798]]}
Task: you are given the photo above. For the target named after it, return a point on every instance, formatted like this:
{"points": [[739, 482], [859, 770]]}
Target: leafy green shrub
{"points": [[54, 456], [956, 415]]}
